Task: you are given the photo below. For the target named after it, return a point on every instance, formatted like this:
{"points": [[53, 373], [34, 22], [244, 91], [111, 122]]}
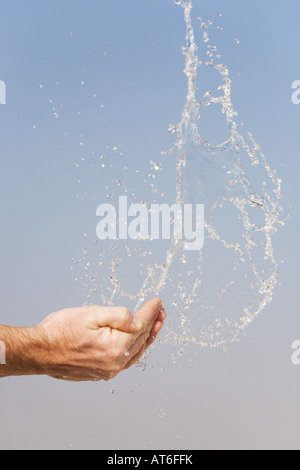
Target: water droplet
{"points": [[156, 166], [214, 308], [172, 129]]}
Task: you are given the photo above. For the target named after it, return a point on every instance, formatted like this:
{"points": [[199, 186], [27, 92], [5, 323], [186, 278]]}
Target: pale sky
{"points": [[82, 76]]}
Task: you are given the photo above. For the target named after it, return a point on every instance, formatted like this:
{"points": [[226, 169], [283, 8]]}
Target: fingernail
{"points": [[137, 323], [162, 310]]}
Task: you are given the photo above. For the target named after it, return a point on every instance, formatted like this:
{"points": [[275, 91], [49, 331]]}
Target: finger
{"points": [[135, 358], [148, 314], [118, 318], [156, 327], [154, 333], [144, 341], [162, 315]]}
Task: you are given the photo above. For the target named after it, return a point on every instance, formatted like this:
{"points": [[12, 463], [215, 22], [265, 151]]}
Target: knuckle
{"points": [[89, 310], [93, 311], [110, 376], [120, 354], [115, 369], [116, 356], [125, 312]]}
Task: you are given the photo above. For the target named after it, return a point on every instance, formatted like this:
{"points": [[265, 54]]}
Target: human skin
{"points": [[82, 344]]}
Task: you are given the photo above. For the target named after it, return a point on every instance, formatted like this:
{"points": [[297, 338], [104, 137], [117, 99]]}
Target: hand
{"points": [[96, 343]]}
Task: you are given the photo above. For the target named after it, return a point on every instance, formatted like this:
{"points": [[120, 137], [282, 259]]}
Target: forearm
{"points": [[21, 350]]}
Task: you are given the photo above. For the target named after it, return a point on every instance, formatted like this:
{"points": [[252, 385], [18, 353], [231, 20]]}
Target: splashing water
{"points": [[212, 295]]}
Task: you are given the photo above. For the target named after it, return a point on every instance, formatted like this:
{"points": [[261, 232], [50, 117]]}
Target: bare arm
{"points": [[91, 343], [21, 350]]}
